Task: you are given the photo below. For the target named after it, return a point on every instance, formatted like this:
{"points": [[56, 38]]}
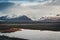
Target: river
{"points": [[34, 34]]}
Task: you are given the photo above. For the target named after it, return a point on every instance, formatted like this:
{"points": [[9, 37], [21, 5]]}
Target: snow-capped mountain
{"points": [[27, 19], [16, 19], [50, 19]]}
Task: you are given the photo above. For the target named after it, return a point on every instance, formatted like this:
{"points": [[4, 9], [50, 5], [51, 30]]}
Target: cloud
{"points": [[35, 12], [53, 2], [5, 5]]}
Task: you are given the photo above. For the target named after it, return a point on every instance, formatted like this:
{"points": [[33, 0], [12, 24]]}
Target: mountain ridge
{"points": [[16, 19]]}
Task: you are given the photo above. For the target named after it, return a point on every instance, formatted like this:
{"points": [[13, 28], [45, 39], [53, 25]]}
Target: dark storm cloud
{"points": [[5, 5]]}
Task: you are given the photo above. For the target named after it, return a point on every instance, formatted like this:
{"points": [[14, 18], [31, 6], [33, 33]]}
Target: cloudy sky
{"points": [[34, 9]]}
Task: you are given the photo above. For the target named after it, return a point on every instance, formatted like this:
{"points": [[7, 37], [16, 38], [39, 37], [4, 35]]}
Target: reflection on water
{"points": [[34, 35]]}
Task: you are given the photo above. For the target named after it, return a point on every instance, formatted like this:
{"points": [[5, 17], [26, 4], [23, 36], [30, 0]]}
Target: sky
{"points": [[34, 9]]}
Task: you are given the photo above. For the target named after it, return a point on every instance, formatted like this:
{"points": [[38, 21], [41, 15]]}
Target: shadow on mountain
{"points": [[10, 38]]}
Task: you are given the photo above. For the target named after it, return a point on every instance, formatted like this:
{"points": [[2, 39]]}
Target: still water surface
{"points": [[34, 35]]}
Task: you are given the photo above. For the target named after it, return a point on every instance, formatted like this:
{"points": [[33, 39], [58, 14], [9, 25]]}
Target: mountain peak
{"points": [[16, 19]]}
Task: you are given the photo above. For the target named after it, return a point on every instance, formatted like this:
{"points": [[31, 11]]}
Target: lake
{"points": [[34, 34]]}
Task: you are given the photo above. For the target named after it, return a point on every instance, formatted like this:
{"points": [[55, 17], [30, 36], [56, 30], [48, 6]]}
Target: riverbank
{"points": [[10, 38]]}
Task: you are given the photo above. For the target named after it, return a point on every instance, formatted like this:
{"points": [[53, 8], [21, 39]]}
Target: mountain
{"points": [[51, 19], [20, 19], [3, 18], [16, 19]]}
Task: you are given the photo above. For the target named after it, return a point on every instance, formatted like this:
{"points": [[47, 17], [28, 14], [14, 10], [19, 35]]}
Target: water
{"points": [[34, 35]]}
